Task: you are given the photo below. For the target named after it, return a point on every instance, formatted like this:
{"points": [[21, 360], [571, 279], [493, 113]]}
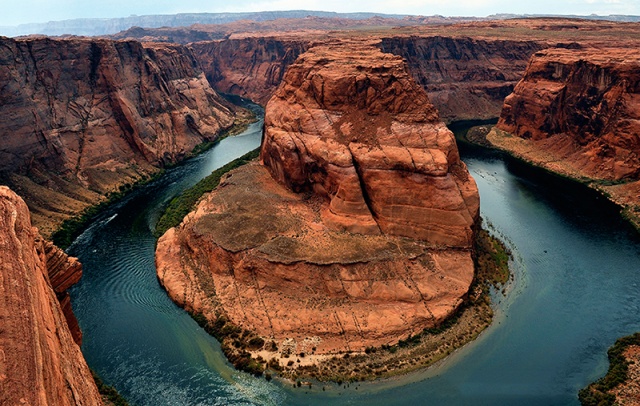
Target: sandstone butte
{"points": [[40, 363], [577, 112], [354, 232], [82, 117]]}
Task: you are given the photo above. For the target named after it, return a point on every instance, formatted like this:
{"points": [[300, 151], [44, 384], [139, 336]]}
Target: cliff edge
{"points": [[40, 364], [576, 112], [84, 117]]}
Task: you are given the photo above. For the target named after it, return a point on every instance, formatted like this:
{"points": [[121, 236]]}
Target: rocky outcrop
{"points": [[40, 364], [576, 112], [355, 232], [251, 67], [84, 117], [582, 105], [351, 126], [466, 78]]}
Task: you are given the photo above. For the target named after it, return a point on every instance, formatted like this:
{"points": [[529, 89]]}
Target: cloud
{"points": [[45, 10]]}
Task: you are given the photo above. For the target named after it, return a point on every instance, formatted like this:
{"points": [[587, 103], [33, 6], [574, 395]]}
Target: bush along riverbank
{"points": [[71, 228], [184, 203], [110, 396], [251, 353], [621, 383]]}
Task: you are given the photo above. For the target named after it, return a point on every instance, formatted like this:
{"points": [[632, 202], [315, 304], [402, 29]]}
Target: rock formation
{"points": [[250, 67], [355, 232], [576, 112], [466, 78], [582, 104], [352, 127], [40, 364], [83, 117]]}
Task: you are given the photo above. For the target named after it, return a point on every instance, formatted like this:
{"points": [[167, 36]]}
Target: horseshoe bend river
{"points": [[575, 291]]}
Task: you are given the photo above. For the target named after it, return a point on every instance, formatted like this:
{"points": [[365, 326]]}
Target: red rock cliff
{"points": [[351, 125], [581, 106], [465, 78], [40, 364], [83, 117], [250, 67]]}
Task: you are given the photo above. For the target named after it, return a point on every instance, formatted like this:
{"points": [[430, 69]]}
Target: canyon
{"points": [[575, 112], [86, 117], [354, 231], [41, 362], [360, 231]]}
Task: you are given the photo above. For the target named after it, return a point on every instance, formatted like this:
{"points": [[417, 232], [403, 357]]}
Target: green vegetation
{"points": [[597, 394], [109, 394], [491, 260], [73, 227], [181, 205], [234, 342]]}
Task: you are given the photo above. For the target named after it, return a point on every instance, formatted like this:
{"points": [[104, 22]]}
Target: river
{"points": [[575, 291]]}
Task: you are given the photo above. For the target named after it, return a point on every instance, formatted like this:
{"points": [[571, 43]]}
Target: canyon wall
{"points": [[40, 364], [583, 104], [466, 78], [576, 112], [250, 67], [355, 232], [83, 117]]}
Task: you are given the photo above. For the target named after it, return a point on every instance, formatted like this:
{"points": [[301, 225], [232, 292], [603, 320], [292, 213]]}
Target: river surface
{"points": [[575, 291]]}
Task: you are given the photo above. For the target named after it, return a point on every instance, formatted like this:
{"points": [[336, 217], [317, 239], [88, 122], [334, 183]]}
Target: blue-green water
{"points": [[577, 272]]}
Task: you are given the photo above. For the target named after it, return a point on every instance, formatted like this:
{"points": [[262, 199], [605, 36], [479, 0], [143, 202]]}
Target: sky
{"points": [[27, 11]]}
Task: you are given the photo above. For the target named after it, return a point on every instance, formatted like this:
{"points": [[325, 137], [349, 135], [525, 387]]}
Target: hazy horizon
{"points": [[41, 11]]}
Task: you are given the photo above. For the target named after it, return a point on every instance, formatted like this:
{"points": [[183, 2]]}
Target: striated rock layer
{"points": [[251, 67], [576, 112], [584, 105], [466, 78], [353, 127], [40, 364], [356, 230], [83, 117]]}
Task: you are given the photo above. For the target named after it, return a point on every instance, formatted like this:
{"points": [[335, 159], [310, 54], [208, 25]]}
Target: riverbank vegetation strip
{"points": [[184, 203], [71, 228], [599, 392], [259, 356]]}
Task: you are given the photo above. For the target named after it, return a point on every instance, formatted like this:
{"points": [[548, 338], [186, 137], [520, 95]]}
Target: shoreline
{"points": [[65, 233], [618, 385], [621, 382], [416, 352], [623, 194]]}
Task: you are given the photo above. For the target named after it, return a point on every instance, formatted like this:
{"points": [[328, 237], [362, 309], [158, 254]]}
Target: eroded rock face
{"points": [[40, 363], [250, 67], [580, 108], [465, 78], [82, 117], [349, 124], [356, 230]]}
